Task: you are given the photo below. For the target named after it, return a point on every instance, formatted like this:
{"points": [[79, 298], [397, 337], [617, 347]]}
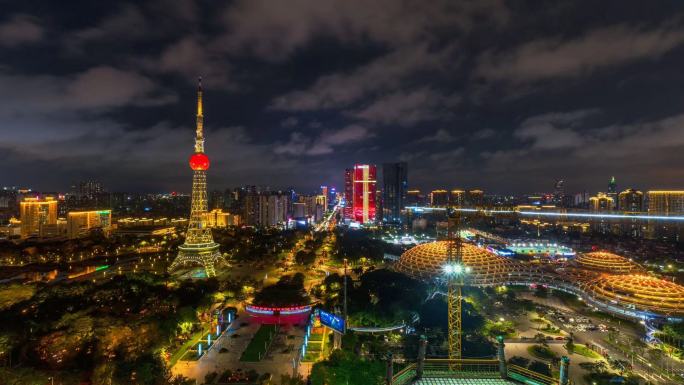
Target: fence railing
{"points": [[529, 377], [469, 368]]}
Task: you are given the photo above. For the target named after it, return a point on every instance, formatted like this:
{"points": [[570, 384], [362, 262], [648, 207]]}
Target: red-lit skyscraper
{"points": [[364, 193]]}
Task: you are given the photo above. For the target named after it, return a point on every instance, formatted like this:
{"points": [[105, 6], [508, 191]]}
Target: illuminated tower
{"points": [[199, 247], [455, 272]]}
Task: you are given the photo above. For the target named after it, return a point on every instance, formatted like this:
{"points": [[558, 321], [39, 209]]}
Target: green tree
{"points": [[540, 367]]}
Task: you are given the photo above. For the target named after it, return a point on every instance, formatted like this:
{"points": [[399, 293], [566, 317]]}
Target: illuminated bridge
{"points": [[607, 281]]}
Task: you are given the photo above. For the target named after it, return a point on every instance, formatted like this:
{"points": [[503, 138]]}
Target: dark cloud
{"points": [[20, 29], [596, 49], [507, 96]]}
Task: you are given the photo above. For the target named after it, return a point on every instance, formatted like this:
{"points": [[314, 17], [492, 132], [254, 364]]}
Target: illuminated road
{"points": [[642, 366], [329, 220]]}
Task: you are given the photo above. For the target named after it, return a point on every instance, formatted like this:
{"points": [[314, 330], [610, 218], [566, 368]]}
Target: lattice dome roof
{"points": [[609, 262], [644, 292], [426, 262]]}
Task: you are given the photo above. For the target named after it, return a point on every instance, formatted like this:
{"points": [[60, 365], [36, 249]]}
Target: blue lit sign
{"points": [[332, 321]]}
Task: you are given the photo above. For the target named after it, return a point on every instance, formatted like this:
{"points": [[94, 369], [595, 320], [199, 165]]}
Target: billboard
{"points": [[332, 321]]}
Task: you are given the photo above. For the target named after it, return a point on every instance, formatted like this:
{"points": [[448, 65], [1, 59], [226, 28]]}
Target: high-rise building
{"points": [[612, 190], [457, 198], [475, 198], [89, 189], [559, 192], [394, 188], [9, 206], [216, 200], [324, 196], [38, 216], [81, 223], [364, 183], [332, 198], [250, 207], [665, 202], [631, 200], [581, 199], [415, 198], [348, 193], [439, 198], [601, 202], [199, 246], [273, 209]]}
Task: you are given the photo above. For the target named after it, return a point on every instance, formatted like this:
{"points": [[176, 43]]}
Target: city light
{"points": [[554, 214]]}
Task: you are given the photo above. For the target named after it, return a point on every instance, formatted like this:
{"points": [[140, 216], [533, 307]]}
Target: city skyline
{"points": [[487, 95]]}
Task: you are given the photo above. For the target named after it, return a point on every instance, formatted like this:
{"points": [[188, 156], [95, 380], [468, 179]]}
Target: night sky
{"points": [[507, 96]]}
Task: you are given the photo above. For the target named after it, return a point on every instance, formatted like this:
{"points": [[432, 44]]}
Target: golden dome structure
{"points": [[427, 261], [639, 292], [607, 262]]}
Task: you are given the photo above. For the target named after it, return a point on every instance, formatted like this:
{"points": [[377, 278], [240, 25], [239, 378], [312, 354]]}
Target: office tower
{"points": [[348, 193], [631, 200], [559, 192], [81, 223], [364, 193], [457, 198], [612, 191], [38, 216], [199, 246], [324, 196], [394, 188], [601, 202], [475, 198], [439, 198], [332, 198]]}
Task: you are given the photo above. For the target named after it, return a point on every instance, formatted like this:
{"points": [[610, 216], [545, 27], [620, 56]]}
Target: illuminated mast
{"points": [[199, 247], [455, 272]]}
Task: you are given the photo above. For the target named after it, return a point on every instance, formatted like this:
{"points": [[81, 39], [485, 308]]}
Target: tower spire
{"points": [[199, 246], [199, 130]]}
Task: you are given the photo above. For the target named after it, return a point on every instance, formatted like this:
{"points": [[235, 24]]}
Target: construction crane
{"points": [[455, 272]]}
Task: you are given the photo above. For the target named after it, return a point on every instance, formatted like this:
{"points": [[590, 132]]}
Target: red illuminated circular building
{"points": [[199, 161]]}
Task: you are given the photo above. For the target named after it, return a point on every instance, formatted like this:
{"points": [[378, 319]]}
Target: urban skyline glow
{"points": [[553, 214]]}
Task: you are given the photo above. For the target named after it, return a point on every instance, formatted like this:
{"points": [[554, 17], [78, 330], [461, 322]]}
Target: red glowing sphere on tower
{"points": [[199, 161]]}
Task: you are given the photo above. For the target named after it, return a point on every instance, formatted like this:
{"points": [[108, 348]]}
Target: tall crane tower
{"points": [[455, 272]]}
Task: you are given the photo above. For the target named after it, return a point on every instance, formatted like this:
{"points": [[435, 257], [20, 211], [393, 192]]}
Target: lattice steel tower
{"points": [[199, 247], [455, 272]]}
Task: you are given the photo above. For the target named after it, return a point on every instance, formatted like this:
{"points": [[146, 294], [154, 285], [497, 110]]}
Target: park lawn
{"points": [[257, 346], [187, 345], [316, 337], [542, 352], [582, 350], [190, 355]]}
